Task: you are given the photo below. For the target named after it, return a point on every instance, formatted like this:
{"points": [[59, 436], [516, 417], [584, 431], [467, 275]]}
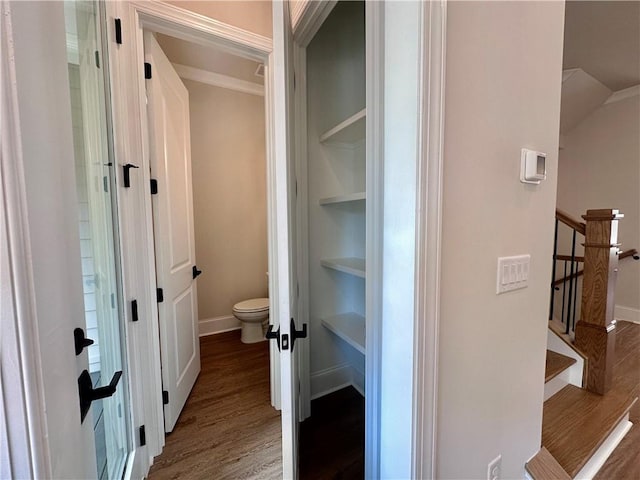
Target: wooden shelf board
{"points": [[351, 197], [350, 327], [349, 131], [350, 265]]}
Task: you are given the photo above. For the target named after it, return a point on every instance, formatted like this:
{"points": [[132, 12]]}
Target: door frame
{"points": [[131, 145], [307, 18]]}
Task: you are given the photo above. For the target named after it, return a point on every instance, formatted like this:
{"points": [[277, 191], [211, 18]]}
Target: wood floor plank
{"points": [[228, 428], [576, 422], [556, 363]]}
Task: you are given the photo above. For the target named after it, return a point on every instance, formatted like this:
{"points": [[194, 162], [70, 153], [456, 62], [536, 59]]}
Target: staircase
{"points": [[584, 419]]}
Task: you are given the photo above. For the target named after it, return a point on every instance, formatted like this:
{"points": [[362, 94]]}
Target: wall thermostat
{"points": [[533, 168]]}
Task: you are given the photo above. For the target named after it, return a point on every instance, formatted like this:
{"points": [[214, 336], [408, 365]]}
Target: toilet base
{"points": [[252, 332]]}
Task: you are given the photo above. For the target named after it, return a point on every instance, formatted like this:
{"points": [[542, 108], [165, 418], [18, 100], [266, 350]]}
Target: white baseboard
{"points": [[627, 314], [333, 379], [606, 449], [211, 326]]}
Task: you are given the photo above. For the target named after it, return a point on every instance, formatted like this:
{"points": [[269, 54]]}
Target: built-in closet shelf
{"points": [[350, 265], [350, 327], [351, 131], [351, 197]]}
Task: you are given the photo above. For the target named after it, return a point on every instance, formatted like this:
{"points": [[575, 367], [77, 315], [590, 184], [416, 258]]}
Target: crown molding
{"points": [[623, 94], [218, 80]]}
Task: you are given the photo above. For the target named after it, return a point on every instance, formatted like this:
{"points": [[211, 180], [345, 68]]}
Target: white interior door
{"points": [[170, 160], [282, 76]]}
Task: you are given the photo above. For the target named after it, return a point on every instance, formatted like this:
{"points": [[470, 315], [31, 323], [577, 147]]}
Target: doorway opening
{"points": [[207, 143]]}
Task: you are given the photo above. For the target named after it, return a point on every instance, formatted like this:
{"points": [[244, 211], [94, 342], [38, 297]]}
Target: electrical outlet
{"points": [[494, 469]]}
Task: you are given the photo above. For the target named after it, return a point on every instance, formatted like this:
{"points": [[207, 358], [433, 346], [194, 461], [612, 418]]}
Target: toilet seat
{"points": [[253, 305]]}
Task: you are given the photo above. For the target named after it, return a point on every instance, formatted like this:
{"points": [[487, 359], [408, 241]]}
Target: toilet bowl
{"points": [[254, 318]]}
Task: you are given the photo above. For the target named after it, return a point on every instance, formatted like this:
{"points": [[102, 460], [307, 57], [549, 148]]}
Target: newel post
{"points": [[595, 333]]}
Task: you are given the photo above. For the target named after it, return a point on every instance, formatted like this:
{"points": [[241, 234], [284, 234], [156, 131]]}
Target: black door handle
{"points": [[297, 333], [81, 342], [88, 394], [271, 335], [195, 271], [126, 177]]}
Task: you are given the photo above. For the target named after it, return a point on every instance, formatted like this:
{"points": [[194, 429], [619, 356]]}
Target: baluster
{"points": [[553, 272], [564, 291], [573, 257]]}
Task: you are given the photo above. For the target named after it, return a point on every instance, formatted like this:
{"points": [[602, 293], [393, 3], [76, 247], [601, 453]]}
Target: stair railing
{"points": [[595, 329], [568, 264]]}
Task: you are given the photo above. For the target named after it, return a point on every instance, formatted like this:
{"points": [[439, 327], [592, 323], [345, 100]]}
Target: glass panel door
{"points": [[95, 182]]}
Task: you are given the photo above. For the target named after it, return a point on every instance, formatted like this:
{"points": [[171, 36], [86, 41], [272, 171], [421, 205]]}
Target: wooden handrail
{"points": [[632, 252], [568, 258], [568, 220]]}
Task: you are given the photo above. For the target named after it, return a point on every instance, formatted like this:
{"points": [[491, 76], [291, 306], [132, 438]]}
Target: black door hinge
{"points": [[105, 184], [159, 295], [97, 59], [118, 24], [147, 70], [143, 436], [165, 397], [134, 310], [154, 186], [113, 300]]}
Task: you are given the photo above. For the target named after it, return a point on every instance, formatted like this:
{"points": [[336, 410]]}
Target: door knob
{"points": [[81, 342], [195, 271]]}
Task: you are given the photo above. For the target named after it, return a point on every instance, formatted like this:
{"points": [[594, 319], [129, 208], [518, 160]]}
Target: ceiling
{"points": [[603, 39], [209, 59]]}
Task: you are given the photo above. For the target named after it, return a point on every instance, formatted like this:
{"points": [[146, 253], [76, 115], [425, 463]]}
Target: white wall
{"points": [[503, 78], [228, 157], [599, 167], [254, 16]]}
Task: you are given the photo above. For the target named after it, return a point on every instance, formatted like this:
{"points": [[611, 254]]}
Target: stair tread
{"points": [[575, 422], [556, 364], [544, 467]]}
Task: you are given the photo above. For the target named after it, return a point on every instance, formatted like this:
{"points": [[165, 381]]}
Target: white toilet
{"points": [[254, 318]]}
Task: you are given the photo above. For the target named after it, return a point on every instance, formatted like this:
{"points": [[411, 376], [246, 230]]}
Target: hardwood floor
{"points": [[228, 428], [624, 463], [332, 439]]}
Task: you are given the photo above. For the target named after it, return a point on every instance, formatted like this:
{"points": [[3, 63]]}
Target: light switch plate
{"points": [[513, 273]]}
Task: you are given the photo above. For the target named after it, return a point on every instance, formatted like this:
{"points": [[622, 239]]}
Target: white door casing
{"points": [[170, 161], [283, 135]]}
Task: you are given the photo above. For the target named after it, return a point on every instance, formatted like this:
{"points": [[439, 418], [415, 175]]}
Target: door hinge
{"points": [[294, 80], [296, 187], [105, 184], [97, 54], [154, 186], [165, 397], [297, 290], [118, 24], [134, 310], [147, 70], [143, 435], [113, 300], [159, 295]]}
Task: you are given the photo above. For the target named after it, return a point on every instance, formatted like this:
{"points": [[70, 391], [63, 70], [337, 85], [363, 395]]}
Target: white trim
{"points": [[22, 384], [627, 314], [218, 80], [309, 17], [331, 380], [428, 241], [556, 384], [302, 223], [215, 325], [131, 145], [623, 94], [165, 18], [605, 450]]}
